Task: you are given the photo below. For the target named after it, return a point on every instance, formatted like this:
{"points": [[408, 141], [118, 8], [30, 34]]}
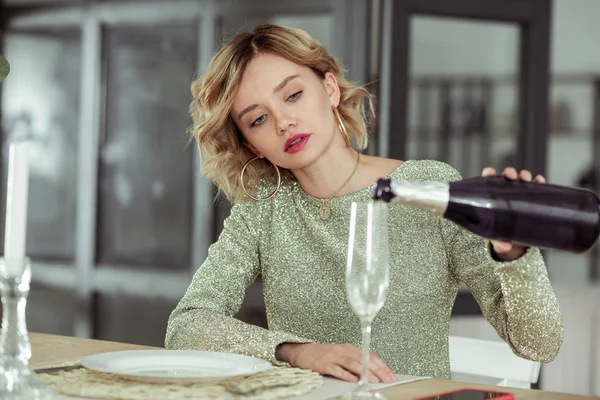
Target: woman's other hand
{"points": [[342, 361]]}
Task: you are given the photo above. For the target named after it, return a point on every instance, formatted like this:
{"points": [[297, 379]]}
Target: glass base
{"points": [[18, 382], [363, 394]]}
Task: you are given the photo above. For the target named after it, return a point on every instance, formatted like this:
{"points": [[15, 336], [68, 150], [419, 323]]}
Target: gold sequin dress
{"points": [[302, 260]]}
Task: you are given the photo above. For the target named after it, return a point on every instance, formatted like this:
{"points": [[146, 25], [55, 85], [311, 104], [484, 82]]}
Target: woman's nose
{"points": [[284, 123]]}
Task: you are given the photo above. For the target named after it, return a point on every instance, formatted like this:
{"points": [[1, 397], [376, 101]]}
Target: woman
{"points": [[273, 103]]}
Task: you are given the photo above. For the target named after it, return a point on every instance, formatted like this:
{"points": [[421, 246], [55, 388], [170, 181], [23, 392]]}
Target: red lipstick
{"points": [[296, 143]]}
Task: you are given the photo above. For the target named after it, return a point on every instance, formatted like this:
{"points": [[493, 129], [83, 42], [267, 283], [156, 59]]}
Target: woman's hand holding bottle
{"points": [[507, 251]]}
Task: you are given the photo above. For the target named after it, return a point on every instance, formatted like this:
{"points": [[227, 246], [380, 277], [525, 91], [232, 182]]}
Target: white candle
{"points": [[16, 208]]}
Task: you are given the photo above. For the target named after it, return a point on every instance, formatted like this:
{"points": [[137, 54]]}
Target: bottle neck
{"points": [[428, 196]]}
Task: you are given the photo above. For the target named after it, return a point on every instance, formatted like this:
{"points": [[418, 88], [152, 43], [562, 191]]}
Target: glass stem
{"points": [[366, 342]]}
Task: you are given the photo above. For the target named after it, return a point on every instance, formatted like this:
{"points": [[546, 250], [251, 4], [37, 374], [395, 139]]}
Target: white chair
{"points": [[576, 369], [490, 362]]}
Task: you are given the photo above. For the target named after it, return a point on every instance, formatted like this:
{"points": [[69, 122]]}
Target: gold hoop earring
{"points": [[341, 126], [244, 188]]}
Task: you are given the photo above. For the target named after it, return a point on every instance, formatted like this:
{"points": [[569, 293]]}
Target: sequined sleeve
{"points": [[516, 297], [203, 319]]}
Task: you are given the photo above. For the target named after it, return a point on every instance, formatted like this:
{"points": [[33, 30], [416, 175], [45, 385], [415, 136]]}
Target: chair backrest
{"points": [[473, 359]]}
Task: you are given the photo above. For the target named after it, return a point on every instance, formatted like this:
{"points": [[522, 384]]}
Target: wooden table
{"points": [[53, 350]]}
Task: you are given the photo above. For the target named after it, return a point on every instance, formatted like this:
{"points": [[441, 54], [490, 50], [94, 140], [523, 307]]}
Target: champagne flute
{"points": [[367, 277]]}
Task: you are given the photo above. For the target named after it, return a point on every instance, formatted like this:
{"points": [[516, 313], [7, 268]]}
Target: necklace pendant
{"points": [[324, 212]]}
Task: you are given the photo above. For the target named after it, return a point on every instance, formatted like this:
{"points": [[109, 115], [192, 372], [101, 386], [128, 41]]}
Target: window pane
{"points": [[40, 101], [131, 319], [463, 98], [146, 165], [51, 310]]}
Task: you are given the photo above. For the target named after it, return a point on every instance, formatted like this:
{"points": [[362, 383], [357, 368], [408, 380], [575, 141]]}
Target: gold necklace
{"points": [[325, 210]]}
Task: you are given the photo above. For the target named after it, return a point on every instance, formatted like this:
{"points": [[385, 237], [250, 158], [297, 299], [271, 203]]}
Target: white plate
{"points": [[175, 365]]}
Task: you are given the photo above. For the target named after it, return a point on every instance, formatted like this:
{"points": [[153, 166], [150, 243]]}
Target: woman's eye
{"points": [[295, 96], [259, 121]]}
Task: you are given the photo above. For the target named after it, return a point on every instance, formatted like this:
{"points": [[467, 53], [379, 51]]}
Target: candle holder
{"points": [[17, 380]]}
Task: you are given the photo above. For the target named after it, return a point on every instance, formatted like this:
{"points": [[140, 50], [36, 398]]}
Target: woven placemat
{"points": [[275, 383]]}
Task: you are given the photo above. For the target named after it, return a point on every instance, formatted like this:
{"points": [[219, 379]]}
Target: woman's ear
{"points": [[332, 88], [253, 149]]}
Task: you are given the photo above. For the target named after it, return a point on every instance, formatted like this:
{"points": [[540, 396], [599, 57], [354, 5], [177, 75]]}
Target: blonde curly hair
{"points": [[219, 141]]}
